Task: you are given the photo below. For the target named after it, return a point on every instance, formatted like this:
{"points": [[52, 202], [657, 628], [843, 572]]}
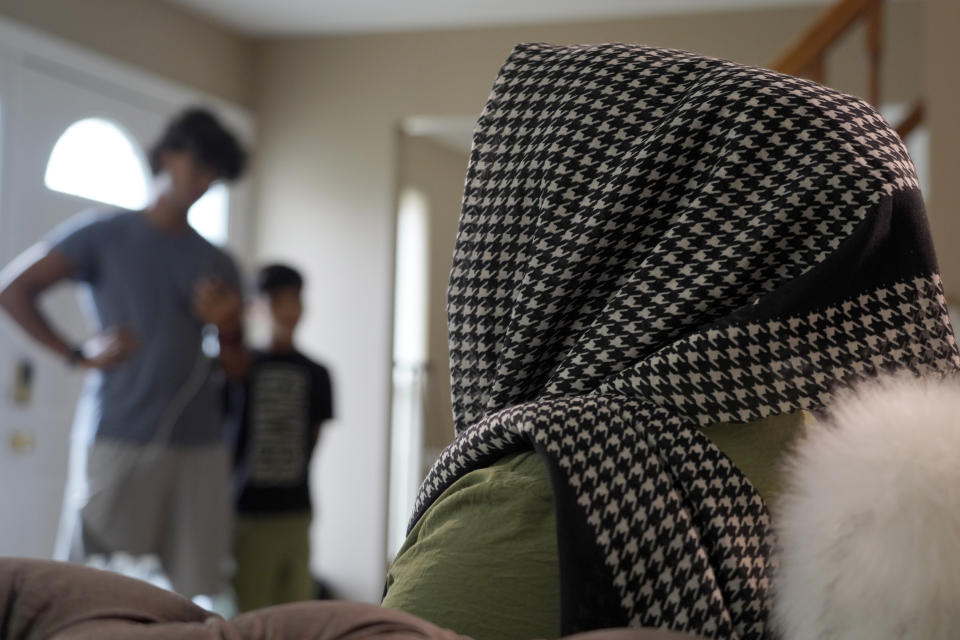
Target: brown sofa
{"points": [[42, 599]]}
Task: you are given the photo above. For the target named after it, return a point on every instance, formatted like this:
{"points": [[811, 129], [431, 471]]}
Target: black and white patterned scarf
{"points": [[653, 241]]}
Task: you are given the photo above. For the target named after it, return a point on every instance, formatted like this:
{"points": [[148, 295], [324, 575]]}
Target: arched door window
{"points": [[95, 159]]}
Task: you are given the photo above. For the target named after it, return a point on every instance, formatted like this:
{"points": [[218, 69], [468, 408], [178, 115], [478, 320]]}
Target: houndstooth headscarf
{"points": [[653, 241]]}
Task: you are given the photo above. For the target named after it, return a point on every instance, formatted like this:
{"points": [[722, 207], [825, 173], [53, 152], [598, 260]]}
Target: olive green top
{"points": [[482, 560]]}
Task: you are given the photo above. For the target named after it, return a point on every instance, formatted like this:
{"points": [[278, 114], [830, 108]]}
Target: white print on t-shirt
{"points": [[278, 424]]}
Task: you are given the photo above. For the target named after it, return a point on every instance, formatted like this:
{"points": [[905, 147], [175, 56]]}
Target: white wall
{"points": [[329, 109]]}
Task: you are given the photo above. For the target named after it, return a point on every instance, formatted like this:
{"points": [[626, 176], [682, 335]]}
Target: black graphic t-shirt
{"points": [[284, 401]]}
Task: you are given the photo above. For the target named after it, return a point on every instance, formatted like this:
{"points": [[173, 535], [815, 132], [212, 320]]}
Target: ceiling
{"points": [[326, 17]]}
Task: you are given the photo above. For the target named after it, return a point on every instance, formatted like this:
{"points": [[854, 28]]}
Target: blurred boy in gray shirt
{"points": [[154, 479]]}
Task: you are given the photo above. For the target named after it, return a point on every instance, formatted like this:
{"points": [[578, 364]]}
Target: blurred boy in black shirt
{"points": [[285, 399]]}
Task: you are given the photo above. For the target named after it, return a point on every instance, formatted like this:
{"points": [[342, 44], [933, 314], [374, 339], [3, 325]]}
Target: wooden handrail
{"points": [[805, 56], [809, 48]]}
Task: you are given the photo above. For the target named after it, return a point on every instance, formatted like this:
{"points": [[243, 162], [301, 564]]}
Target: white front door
{"points": [[37, 104]]}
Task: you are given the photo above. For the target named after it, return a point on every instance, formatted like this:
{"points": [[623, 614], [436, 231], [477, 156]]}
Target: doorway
{"points": [[433, 153]]}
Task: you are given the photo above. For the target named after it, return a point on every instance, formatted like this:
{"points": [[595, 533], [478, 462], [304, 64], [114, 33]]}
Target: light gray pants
{"points": [[155, 500]]}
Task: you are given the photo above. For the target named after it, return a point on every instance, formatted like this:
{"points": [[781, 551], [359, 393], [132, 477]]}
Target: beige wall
{"points": [[150, 34], [329, 110], [942, 74], [437, 171]]}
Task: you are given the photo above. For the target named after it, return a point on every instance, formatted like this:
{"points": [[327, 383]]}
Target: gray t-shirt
{"points": [[143, 278]]}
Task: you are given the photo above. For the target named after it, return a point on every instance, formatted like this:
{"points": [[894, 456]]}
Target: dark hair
{"points": [[274, 277], [198, 131]]}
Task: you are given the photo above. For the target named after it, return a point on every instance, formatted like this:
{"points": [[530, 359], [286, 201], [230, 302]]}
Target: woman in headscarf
{"points": [[664, 262]]}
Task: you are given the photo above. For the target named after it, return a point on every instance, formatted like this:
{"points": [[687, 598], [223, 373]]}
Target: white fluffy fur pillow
{"points": [[869, 522]]}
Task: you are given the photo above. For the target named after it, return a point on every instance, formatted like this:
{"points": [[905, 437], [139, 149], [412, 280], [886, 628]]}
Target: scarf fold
{"points": [[653, 241]]}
